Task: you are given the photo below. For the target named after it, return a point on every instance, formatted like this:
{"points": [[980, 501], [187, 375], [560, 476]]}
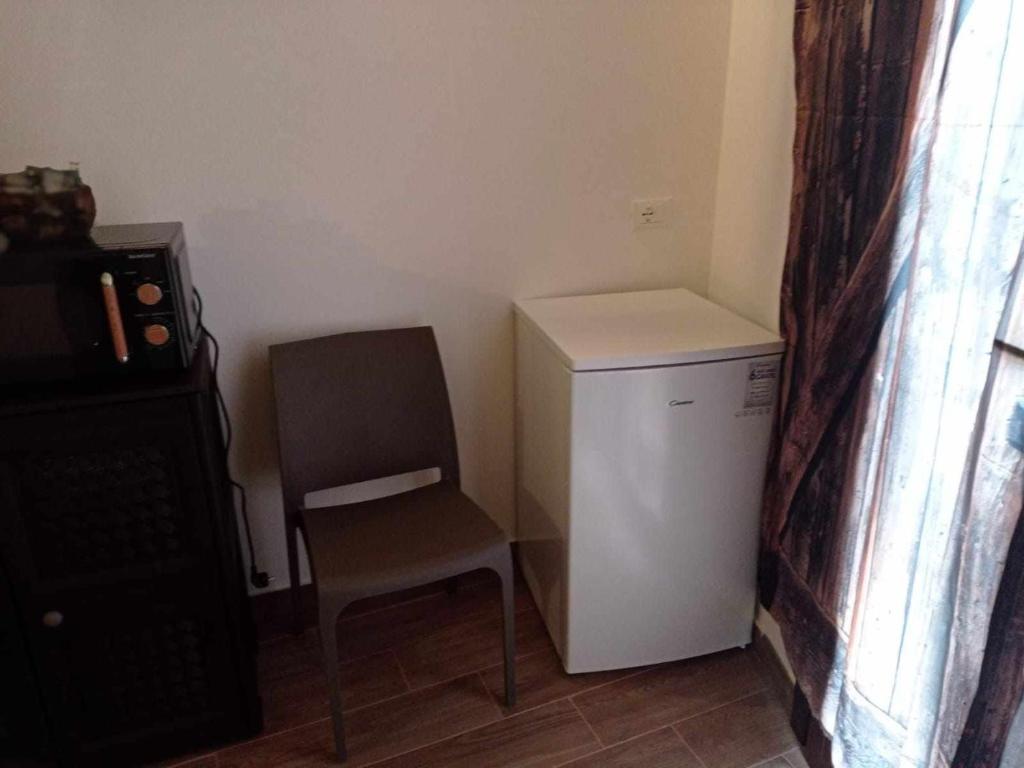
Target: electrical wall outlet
{"points": [[651, 213]]}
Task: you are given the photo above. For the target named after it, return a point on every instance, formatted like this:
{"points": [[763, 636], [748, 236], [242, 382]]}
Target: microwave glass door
{"points": [[51, 328]]}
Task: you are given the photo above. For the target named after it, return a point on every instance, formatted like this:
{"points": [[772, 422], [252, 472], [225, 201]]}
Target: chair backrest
{"points": [[360, 406]]}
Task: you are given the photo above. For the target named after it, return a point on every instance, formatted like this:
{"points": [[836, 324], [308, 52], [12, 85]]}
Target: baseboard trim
{"points": [[780, 678]]}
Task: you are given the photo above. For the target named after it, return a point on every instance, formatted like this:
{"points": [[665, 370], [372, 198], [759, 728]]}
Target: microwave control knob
{"points": [[156, 334], [149, 294]]}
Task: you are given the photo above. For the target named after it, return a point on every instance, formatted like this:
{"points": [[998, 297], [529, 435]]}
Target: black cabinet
{"points": [[126, 616]]}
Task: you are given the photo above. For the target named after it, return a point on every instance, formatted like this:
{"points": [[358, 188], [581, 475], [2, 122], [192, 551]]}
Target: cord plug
{"points": [[259, 579]]}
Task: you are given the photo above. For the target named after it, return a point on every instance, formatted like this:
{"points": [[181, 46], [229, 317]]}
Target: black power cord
{"points": [[259, 579]]}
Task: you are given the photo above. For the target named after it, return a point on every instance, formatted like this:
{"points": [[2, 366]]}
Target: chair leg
{"points": [[508, 604], [329, 641], [295, 587]]}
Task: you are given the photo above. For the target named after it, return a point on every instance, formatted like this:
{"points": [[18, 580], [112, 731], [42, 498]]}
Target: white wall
{"points": [[350, 165], [755, 174], [756, 166]]}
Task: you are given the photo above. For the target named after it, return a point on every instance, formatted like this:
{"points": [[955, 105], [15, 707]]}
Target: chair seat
{"points": [[372, 547]]}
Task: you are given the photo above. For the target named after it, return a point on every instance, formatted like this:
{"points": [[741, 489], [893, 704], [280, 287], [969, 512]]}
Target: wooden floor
{"points": [[423, 687]]}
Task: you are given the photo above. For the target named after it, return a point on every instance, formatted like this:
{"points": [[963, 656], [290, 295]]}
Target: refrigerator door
{"points": [[665, 493]]}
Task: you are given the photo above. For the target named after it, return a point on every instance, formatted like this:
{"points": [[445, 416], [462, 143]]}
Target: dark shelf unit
{"points": [[125, 630]]}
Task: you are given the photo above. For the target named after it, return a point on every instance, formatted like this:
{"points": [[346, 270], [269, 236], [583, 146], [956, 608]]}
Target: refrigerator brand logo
{"points": [[673, 403], [760, 389]]}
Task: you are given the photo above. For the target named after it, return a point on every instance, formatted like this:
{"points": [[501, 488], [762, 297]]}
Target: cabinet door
{"points": [[99, 495], [106, 535], [22, 723], [138, 670]]}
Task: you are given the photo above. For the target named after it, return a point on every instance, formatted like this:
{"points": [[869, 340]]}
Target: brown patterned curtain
{"points": [[889, 553]]}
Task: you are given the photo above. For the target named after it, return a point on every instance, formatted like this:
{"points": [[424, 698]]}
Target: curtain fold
{"points": [[893, 490]]}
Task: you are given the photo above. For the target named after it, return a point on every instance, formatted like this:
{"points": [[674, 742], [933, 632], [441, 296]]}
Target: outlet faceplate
{"points": [[652, 212]]}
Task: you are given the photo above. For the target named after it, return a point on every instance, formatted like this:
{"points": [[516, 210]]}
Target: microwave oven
{"points": [[120, 302]]}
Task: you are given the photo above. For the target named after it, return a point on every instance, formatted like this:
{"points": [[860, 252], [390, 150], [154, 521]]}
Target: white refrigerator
{"points": [[642, 427]]}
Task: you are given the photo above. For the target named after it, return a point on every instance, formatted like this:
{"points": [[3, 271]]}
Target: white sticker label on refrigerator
{"points": [[761, 378]]}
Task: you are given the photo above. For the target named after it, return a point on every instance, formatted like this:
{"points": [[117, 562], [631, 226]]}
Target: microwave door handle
{"points": [[114, 317]]}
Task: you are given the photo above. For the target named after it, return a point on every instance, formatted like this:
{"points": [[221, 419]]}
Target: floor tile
{"points": [[546, 736], [207, 761], [718, 708], [740, 734], [375, 732], [540, 678], [294, 688], [661, 749], [468, 647], [310, 746], [389, 599], [796, 758], [288, 656], [370, 679], [669, 693], [374, 631]]}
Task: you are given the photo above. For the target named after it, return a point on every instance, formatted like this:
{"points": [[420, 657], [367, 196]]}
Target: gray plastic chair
{"points": [[362, 406]]}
